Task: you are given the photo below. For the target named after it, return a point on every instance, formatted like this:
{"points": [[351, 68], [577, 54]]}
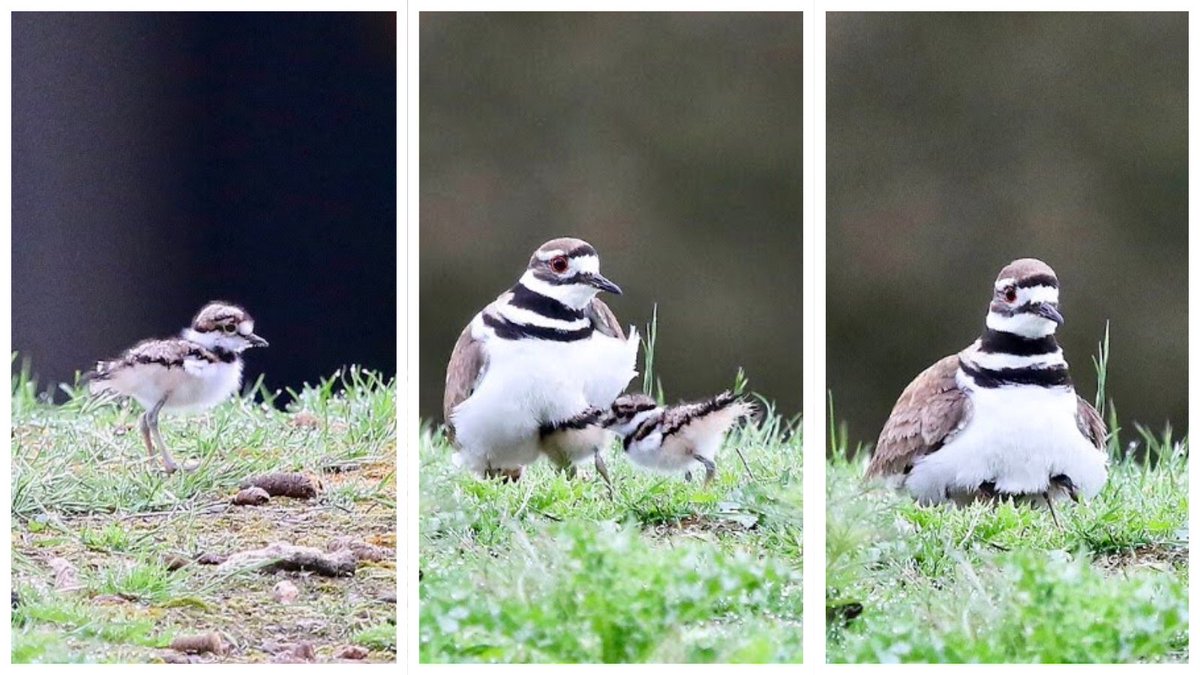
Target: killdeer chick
{"points": [[577, 440], [675, 439], [1000, 419], [189, 373], [531, 369]]}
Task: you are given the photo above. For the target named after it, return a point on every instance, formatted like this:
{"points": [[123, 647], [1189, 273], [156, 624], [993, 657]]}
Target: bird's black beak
{"points": [[256, 341], [598, 280], [1049, 311]]}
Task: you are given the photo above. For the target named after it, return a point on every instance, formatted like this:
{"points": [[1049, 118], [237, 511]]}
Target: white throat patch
{"points": [[1023, 324], [575, 296]]}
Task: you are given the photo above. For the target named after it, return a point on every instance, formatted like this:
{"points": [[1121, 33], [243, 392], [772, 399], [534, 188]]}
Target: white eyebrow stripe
{"points": [[550, 254], [1038, 294], [1006, 281], [587, 263]]}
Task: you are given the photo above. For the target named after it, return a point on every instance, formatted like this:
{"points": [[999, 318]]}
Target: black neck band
{"points": [[1000, 342]]}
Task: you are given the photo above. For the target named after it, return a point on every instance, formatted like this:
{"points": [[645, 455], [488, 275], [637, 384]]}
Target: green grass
{"points": [[549, 569], [906, 583], [83, 490]]}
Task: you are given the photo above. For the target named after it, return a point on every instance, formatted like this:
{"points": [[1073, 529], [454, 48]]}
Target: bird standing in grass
{"points": [[1000, 419], [675, 439], [189, 373], [531, 373]]}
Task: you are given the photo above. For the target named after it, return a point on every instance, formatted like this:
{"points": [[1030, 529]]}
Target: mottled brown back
{"points": [[1090, 424], [927, 414], [604, 320], [462, 374]]}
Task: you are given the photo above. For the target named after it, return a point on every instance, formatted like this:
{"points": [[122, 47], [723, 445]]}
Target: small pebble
{"points": [[285, 592], [353, 652], [305, 419], [251, 496], [199, 644]]}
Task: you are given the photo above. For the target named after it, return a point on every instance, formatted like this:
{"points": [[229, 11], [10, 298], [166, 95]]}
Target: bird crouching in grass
{"points": [[678, 438], [1001, 418], [531, 369], [189, 373]]}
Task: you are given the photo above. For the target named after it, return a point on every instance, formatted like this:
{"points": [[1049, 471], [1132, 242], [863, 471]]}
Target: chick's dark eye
{"points": [[230, 329], [559, 264], [1010, 294]]}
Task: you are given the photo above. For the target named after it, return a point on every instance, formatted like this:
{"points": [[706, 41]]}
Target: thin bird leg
{"points": [[710, 469], [745, 463], [1053, 513], [169, 464], [144, 426], [602, 469]]}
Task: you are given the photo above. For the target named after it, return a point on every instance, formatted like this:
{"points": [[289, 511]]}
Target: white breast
{"points": [[1017, 437], [196, 385], [532, 382], [208, 385], [653, 453]]}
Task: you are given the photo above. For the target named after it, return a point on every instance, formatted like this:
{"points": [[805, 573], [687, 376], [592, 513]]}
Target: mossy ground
{"points": [[84, 492]]}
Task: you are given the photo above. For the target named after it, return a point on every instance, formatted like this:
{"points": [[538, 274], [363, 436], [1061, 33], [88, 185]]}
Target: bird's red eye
{"points": [[559, 264], [1010, 294]]}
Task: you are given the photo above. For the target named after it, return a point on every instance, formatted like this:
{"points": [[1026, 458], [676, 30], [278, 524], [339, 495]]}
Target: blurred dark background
{"points": [[958, 142], [671, 142], [162, 160]]}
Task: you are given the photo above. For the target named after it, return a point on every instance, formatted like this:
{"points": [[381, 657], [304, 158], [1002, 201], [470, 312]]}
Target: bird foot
{"points": [[170, 466]]}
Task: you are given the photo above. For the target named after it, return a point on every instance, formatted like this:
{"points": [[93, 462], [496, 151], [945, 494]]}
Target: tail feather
{"points": [[744, 407]]}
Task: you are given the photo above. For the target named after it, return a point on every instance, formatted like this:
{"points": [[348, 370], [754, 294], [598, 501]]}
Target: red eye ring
{"points": [[1010, 294], [559, 264]]}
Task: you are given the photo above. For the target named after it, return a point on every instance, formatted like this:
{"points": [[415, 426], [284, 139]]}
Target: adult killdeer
{"points": [[677, 438], [532, 371], [189, 373], [1000, 418]]}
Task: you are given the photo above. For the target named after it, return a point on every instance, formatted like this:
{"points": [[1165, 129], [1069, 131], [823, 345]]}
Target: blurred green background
{"points": [[958, 142], [671, 142]]}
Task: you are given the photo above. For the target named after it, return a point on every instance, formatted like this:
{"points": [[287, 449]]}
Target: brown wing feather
{"points": [[929, 410], [168, 352], [1090, 424], [678, 416], [604, 320], [462, 374]]}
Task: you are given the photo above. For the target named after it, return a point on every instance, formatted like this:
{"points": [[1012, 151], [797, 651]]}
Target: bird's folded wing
{"points": [[676, 418], [462, 374], [604, 320], [929, 411], [1090, 424], [170, 353]]}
